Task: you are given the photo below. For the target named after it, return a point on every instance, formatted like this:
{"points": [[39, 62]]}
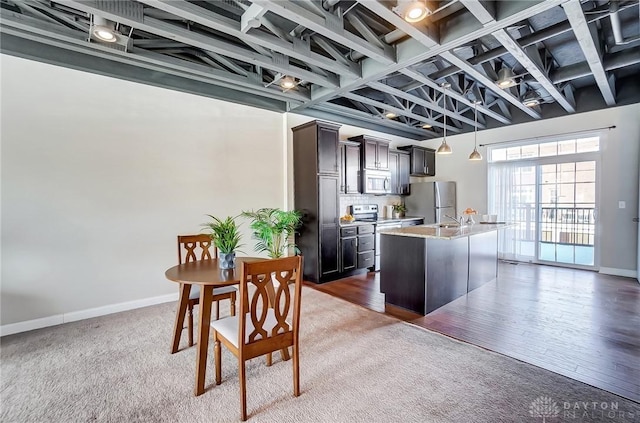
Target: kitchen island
{"points": [[427, 266]]}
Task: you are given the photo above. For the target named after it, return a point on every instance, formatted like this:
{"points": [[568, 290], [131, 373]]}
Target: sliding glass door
{"points": [[548, 191], [567, 213]]}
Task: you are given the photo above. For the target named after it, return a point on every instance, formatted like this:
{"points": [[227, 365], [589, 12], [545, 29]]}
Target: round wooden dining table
{"points": [[208, 275]]}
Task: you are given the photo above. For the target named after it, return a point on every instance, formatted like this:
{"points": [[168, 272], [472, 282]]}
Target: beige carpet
{"points": [[356, 366]]}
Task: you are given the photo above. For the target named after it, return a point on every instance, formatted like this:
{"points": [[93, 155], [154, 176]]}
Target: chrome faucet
{"points": [[459, 221]]}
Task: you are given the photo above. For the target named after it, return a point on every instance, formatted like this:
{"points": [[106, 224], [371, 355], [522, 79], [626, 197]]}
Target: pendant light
{"points": [[475, 154], [444, 147]]}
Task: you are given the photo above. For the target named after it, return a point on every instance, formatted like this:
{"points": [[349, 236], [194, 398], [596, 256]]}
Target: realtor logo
{"points": [[544, 407]]}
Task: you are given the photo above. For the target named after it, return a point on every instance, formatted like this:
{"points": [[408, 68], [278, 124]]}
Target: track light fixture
{"points": [[475, 154], [104, 30], [288, 82], [412, 10], [531, 98], [444, 147], [506, 78]]}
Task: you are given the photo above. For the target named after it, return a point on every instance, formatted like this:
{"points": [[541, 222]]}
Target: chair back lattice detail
{"points": [[266, 299], [194, 245]]}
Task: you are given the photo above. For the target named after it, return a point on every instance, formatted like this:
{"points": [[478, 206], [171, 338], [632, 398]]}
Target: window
{"points": [[545, 149]]}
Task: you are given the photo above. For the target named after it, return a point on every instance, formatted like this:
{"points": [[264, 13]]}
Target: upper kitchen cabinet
{"points": [[323, 138], [399, 164], [374, 152], [423, 160], [349, 168]]}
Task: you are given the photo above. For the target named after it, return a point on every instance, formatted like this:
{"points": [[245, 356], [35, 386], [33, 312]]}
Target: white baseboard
{"points": [[74, 316], [28, 325], [618, 272]]}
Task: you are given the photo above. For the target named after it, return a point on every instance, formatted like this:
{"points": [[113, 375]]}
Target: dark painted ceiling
{"points": [[353, 61]]}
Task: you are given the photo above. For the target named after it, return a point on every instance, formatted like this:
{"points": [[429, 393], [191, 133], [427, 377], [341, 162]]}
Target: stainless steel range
{"points": [[365, 212]]}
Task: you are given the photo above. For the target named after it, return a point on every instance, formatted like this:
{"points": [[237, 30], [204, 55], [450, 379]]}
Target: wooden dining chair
{"points": [[199, 247], [266, 322]]}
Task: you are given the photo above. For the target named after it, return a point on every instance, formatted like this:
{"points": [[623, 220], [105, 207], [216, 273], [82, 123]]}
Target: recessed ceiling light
{"points": [[390, 115], [412, 10], [288, 82]]}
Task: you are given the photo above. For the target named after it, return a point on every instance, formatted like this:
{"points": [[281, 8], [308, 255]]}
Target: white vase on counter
{"points": [[388, 211]]}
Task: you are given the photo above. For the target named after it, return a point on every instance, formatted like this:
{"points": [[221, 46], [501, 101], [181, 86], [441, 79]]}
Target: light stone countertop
{"points": [[433, 231], [381, 220]]}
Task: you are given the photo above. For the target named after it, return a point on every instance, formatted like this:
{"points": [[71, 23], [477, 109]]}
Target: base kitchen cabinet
{"points": [[349, 249], [357, 247], [316, 190]]}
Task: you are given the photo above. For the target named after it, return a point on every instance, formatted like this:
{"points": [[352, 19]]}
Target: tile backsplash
{"points": [[380, 200]]}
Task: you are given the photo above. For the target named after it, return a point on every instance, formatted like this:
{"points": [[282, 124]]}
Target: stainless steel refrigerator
{"points": [[432, 200]]}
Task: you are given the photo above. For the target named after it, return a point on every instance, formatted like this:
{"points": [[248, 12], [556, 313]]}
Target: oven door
{"points": [[376, 182]]}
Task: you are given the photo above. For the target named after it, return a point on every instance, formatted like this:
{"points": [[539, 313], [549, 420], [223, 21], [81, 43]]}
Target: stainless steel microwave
{"points": [[376, 181]]}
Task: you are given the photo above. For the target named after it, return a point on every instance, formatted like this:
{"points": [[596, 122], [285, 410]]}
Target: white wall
{"points": [[99, 175], [619, 170]]}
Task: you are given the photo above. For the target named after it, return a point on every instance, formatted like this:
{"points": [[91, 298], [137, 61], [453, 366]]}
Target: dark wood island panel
{"points": [[424, 272], [483, 260]]}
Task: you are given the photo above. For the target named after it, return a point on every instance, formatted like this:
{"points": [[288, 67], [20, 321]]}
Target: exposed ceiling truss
{"points": [[355, 62]]}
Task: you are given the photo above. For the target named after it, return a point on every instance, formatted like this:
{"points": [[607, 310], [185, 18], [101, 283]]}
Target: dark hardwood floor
{"points": [[577, 323]]}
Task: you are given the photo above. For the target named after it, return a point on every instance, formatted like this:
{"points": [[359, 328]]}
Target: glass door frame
{"points": [[568, 158]]}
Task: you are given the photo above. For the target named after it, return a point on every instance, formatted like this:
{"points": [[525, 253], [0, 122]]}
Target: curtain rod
{"points": [[548, 136]]}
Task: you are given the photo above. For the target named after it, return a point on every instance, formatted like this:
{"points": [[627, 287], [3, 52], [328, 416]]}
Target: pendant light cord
{"points": [[444, 120], [475, 132]]}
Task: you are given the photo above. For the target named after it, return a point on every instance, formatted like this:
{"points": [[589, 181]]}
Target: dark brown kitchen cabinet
{"points": [[357, 247], [423, 160], [316, 189], [394, 168], [349, 253], [399, 165], [404, 170], [327, 150], [374, 152], [350, 168]]}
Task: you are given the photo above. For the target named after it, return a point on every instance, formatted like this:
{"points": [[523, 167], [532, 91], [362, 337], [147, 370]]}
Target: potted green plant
{"points": [[273, 229], [226, 237], [399, 210]]}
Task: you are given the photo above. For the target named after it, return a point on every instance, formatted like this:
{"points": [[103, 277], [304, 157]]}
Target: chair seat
{"points": [[228, 327], [194, 294]]}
